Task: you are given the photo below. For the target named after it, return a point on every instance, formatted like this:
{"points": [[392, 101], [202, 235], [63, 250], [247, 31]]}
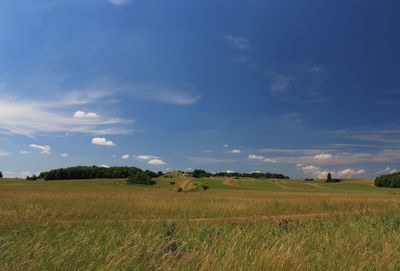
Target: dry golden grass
{"points": [[90, 226]]}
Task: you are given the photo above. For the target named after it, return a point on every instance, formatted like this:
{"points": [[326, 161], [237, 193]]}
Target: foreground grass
{"points": [[108, 225], [336, 243]]}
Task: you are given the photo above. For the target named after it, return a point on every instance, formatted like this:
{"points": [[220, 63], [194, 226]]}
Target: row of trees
{"points": [[199, 173], [1, 174], [94, 172], [390, 180]]}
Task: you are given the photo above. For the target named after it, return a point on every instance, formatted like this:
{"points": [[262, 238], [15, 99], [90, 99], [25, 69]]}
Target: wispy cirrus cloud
{"points": [[117, 2], [237, 42], [30, 117], [163, 93], [331, 156], [44, 149], [4, 153]]}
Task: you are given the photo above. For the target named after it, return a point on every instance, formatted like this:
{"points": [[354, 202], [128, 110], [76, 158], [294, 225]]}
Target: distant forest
{"points": [[199, 173], [95, 172], [390, 180]]}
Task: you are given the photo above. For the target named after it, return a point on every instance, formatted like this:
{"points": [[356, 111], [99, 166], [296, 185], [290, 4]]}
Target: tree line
{"points": [[390, 180], [200, 173], [95, 172]]}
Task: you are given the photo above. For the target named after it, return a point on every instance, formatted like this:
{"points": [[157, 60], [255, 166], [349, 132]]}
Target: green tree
{"points": [[329, 178], [1, 174]]}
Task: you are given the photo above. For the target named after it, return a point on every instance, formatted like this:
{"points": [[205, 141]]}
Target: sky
{"points": [[295, 87]]}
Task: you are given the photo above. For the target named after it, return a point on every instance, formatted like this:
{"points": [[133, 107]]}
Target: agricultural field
{"points": [[235, 224]]}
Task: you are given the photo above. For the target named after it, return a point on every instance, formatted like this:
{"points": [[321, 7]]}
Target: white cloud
{"points": [[387, 170], [229, 171], [237, 42], [349, 172], [105, 166], [24, 152], [323, 156], [156, 162], [102, 141], [125, 157], [30, 117], [235, 151], [226, 146], [44, 149], [4, 153], [85, 115], [255, 157], [64, 155], [270, 160], [117, 2], [146, 157], [322, 173]]}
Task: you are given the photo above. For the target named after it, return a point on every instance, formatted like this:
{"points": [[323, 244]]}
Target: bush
{"points": [[171, 183], [309, 180], [199, 173], [205, 187], [180, 189], [141, 178], [390, 180], [33, 178]]}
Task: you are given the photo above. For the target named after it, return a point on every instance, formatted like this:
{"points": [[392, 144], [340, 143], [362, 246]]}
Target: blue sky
{"points": [[295, 87]]}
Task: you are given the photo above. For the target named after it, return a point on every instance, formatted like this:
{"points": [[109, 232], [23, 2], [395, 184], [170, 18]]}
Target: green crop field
{"points": [[237, 224]]}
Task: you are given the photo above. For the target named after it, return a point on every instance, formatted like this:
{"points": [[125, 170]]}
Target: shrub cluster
{"points": [[141, 178], [390, 180], [33, 178]]}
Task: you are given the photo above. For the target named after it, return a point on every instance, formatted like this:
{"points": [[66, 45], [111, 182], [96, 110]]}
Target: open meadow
{"points": [[237, 224]]}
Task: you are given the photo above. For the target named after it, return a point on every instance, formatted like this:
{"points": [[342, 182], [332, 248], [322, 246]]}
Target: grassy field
{"points": [[238, 224]]}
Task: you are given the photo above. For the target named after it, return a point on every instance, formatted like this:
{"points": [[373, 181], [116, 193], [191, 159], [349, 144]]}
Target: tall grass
{"points": [[67, 228]]}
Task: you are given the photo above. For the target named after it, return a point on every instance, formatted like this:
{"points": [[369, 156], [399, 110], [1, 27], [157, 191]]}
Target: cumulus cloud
{"points": [[226, 146], [64, 155], [24, 152], [102, 141], [156, 162], [85, 115], [349, 172], [105, 166], [270, 160], [322, 173], [323, 156], [125, 157], [235, 151], [237, 42], [145, 157], [44, 149], [255, 157]]}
